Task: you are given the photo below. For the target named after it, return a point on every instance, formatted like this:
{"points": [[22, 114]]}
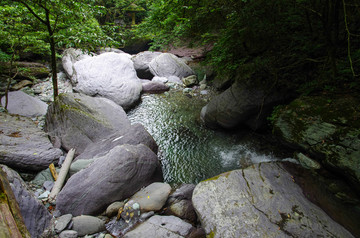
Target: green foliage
{"points": [[290, 42]]}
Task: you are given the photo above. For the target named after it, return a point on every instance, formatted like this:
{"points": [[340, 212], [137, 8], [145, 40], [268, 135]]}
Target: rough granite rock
{"points": [[167, 64], [78, 120], [152, 197], [24, 105], [113, 177], [260, 201], [141, 63], [36, 217], [108, 75], [24, 146], [327, 128], [70, 57], [136, 134], [240, 104], [161, 227]]}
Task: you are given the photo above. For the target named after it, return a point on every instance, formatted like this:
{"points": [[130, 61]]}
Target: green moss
{"points": [[226, 174], [211, 234]]}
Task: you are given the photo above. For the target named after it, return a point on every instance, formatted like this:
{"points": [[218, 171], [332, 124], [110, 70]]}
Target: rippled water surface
{"points": [[190, 152]]}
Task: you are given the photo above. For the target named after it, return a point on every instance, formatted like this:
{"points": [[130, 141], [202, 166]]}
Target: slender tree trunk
{"points": [[54, 67], [53, 54]]}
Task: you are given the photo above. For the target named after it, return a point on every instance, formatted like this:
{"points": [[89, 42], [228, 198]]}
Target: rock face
{"points": [[24, 146], [112, 177], [135, 135], [141, 63], [108, 75], [70, 57], [260, 201], [161, 226], [167, 64], [327, 128], [78, 120], [240, 105], [24, 105], [36, 217]]}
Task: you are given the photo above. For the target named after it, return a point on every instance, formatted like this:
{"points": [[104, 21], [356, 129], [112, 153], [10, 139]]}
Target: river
{"points": [[189, 151]]}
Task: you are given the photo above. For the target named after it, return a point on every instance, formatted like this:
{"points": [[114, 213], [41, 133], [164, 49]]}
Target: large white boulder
{"points": [[108, 75]]}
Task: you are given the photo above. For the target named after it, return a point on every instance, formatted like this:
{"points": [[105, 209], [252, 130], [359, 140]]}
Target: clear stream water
{"points": [[189, 151]]}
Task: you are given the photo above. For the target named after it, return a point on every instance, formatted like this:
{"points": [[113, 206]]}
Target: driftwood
{"points": [[62, 174], [53, 171]]}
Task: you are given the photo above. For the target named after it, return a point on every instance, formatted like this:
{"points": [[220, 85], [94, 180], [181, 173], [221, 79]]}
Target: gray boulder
{"points": [[70, 57], [136, 134], [35, 215], [152, 198], [112, 177], [108, 49], [62, 222], [77, 120], [24, 146], [179, 203], [260, 201], [161, 227], [108, 75], [141, 63], [87, 225], [24, 105], [240, 104], [329, 132], [167, 64], [155, 87]]}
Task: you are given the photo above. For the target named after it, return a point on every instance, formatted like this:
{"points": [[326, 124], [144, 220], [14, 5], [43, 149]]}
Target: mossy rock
{"points": [[327, 127], [27, 70]]}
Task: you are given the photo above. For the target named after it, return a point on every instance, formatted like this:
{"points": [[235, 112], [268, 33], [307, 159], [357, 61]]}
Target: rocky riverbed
{"points": [[115, 184]]}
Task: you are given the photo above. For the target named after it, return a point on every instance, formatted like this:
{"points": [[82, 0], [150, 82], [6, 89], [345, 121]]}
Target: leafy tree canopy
{"points": [[291, 42]]}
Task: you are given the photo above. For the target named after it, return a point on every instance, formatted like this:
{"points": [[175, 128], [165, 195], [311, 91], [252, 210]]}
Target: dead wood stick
{"points": [[53, 171], [62, 174]]}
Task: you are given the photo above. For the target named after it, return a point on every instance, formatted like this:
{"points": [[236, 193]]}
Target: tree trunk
{"points": [[54, 67]]}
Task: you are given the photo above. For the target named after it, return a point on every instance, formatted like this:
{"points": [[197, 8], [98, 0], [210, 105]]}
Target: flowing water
{"points": [[189, 151]]}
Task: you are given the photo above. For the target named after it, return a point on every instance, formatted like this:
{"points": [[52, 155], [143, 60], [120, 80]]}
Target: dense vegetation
{"points": [[309, 45]]}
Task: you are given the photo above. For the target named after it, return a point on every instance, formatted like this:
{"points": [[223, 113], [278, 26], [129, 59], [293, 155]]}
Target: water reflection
{"points": [[190, 152]]}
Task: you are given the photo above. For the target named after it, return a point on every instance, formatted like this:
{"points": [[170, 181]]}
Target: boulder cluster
{"points": [[114, 186]]}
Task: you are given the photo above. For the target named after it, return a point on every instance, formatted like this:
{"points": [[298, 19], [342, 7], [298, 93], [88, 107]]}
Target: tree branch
{"points": [[32, 11]]}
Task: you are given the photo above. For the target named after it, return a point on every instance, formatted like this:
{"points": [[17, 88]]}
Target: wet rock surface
{"points": [[261, 200]]}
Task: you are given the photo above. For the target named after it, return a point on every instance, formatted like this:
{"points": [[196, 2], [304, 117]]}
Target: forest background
{"points": [[308, 46]]}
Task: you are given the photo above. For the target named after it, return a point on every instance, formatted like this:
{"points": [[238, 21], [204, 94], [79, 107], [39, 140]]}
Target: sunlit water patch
{"points": [[190, 152]]}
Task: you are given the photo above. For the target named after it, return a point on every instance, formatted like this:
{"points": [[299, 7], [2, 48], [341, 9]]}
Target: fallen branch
{"points": [[53, 171], [62, 174]]}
